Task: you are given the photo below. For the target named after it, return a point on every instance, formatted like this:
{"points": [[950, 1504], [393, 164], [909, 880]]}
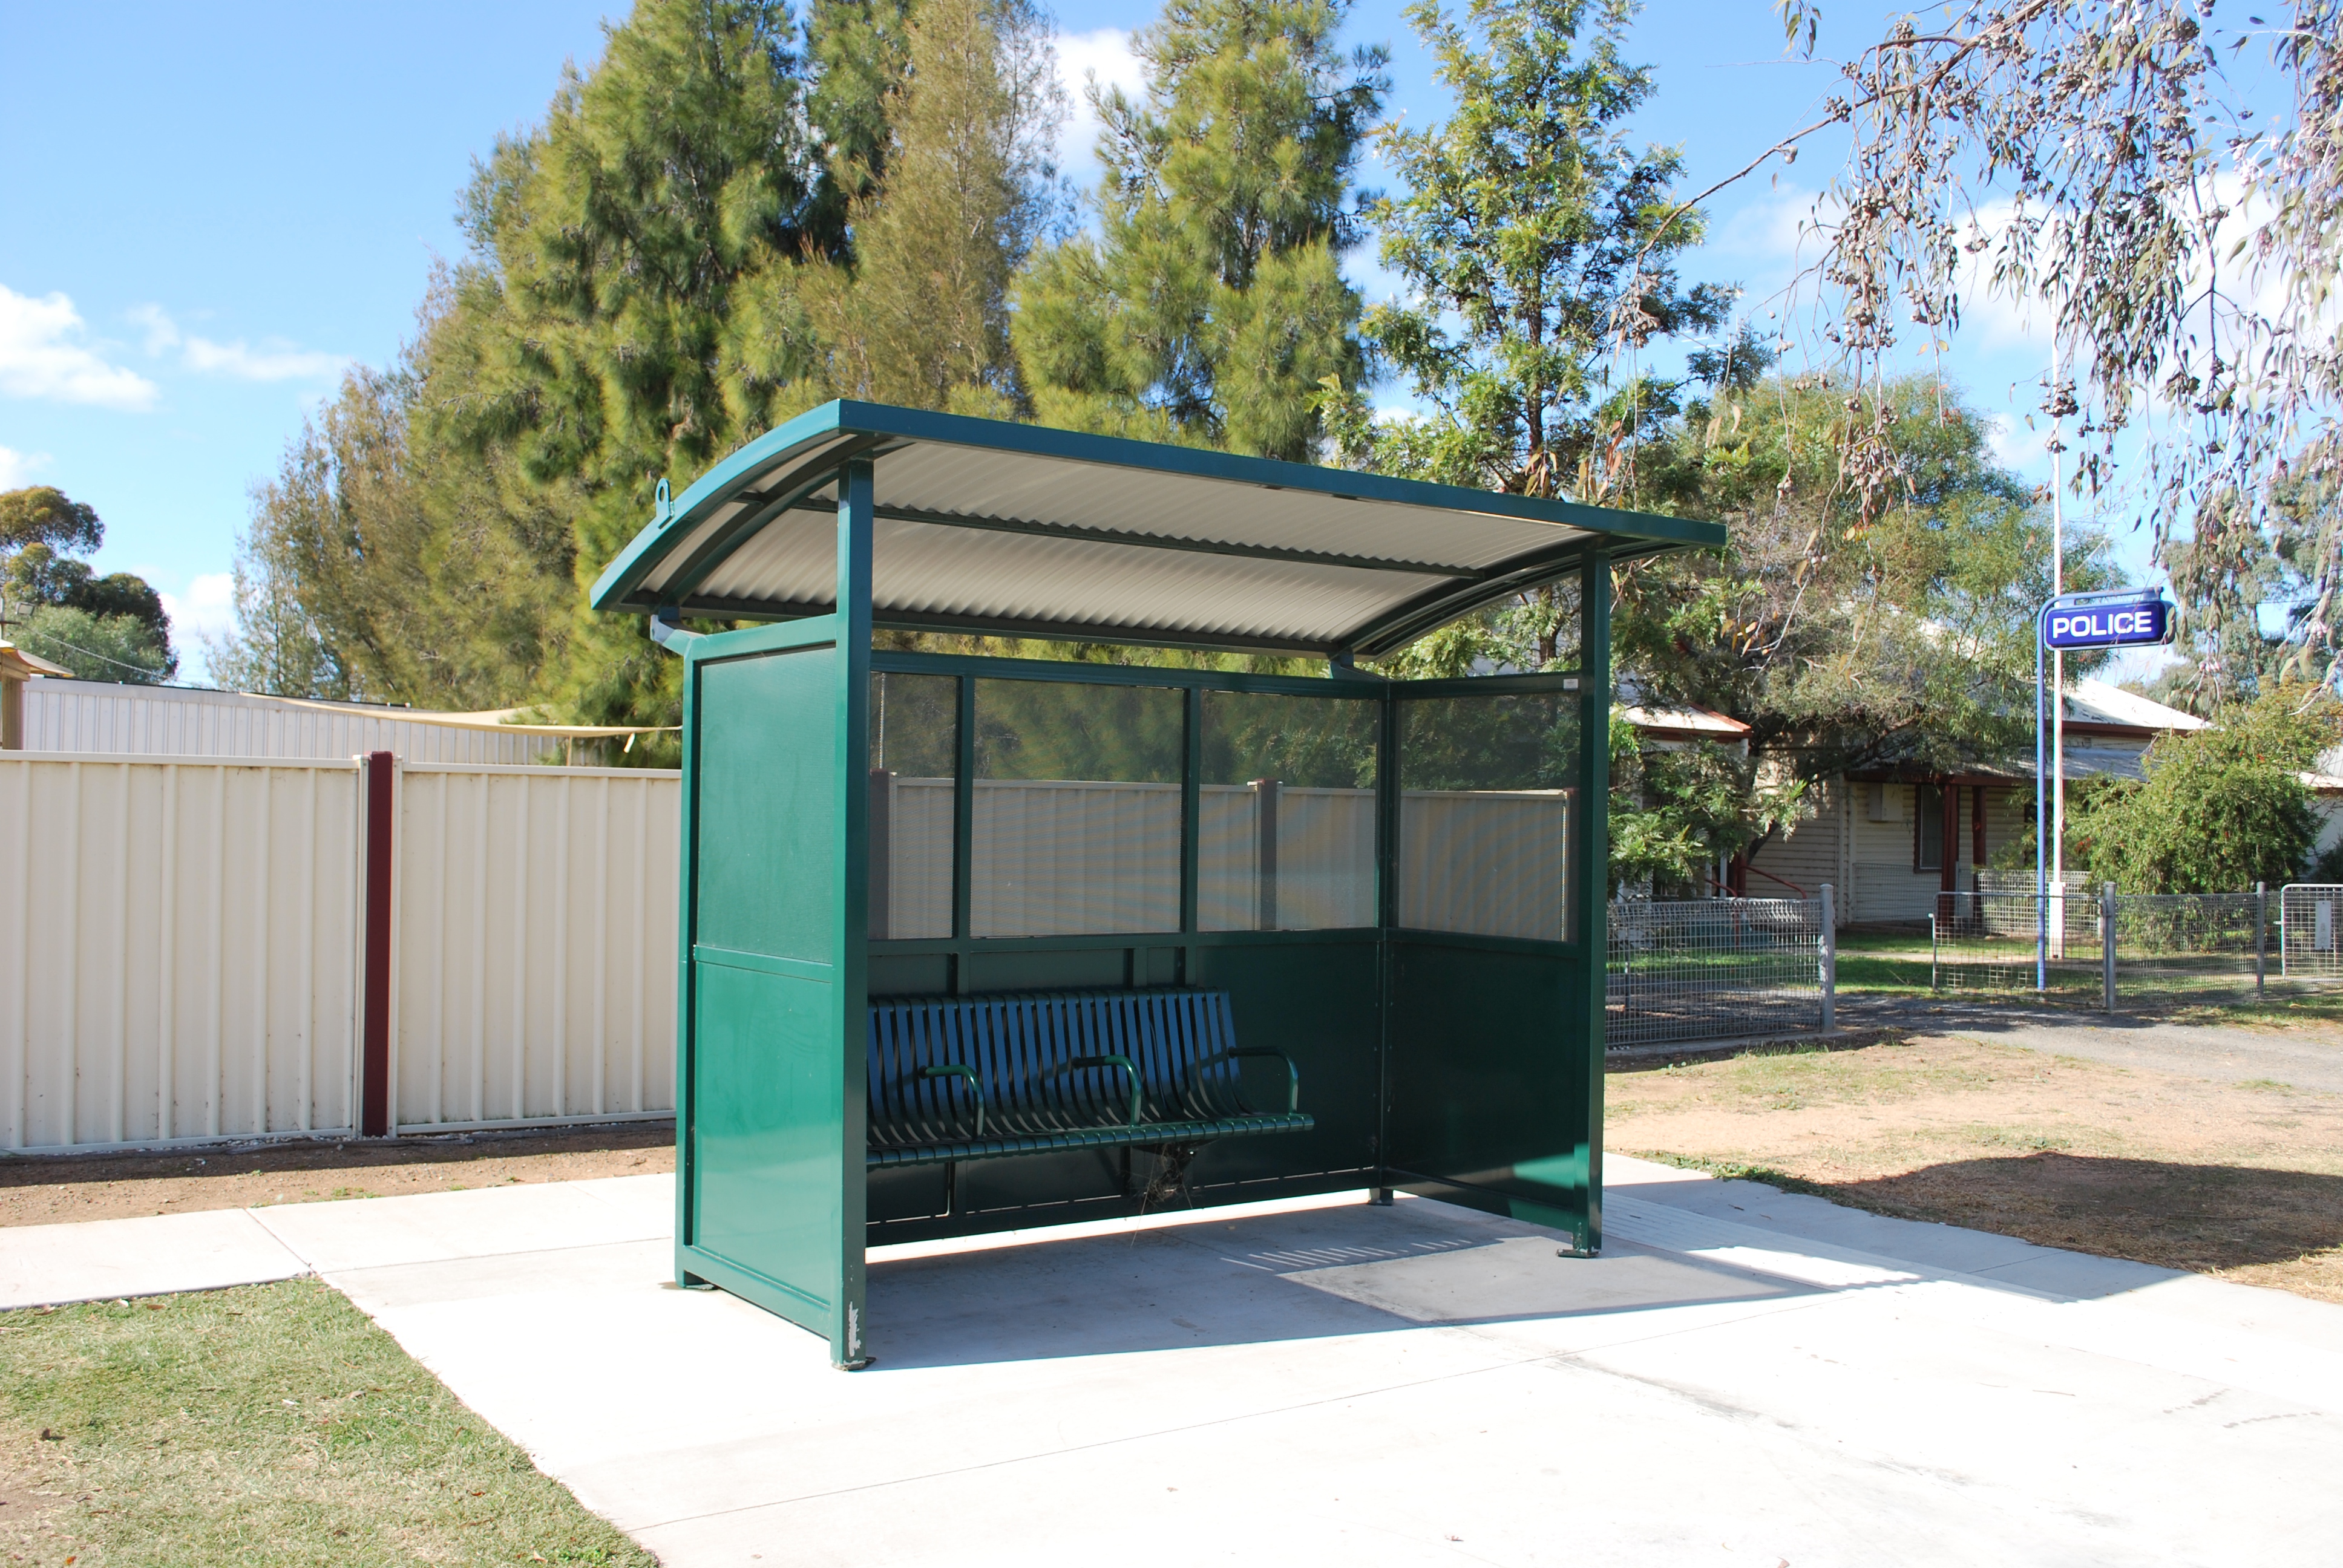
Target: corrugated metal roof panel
{"points": [[987, 526], [922, 572]]}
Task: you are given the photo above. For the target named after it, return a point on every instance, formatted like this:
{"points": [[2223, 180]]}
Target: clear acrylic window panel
{"points": [[914, 751], [1286, 828], [1077, 809], [1486, 793]]}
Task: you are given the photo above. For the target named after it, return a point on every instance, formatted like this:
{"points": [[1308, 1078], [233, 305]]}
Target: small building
{"points": [[20, 669], [1890, 840]]}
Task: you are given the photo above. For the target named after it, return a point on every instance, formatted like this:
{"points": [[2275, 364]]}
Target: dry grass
{"points": [[2240, 1179], [261, 1427]]}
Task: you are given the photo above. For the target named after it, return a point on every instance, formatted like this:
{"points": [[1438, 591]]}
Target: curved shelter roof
{"points": [[982, 526]]}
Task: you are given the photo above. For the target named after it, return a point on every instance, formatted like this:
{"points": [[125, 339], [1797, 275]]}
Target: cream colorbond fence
{"points": [[184, 948], [179, 944], [536, 946]]}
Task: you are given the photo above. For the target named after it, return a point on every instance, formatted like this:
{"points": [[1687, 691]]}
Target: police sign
{"points": [[2097, 620]]}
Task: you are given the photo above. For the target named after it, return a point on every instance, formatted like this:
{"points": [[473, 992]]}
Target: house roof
{"points": [[988, 525], [2096, 703], [1692, 722], [16, 664]]}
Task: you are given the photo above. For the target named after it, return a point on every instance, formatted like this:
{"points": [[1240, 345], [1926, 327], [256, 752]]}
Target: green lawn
{"points": [[260, 1427], [2193, 989]]}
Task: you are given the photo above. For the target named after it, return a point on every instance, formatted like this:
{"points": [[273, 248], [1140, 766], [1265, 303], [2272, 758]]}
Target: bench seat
{"points": [[982, 1078]]}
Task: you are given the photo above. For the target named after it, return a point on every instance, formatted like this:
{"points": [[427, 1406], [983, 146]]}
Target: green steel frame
{"points": [[1464, 1067]]}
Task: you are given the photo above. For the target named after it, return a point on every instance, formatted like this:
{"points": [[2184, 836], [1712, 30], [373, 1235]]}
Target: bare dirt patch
{"points": [[2239, 1179], [46, 1189]]}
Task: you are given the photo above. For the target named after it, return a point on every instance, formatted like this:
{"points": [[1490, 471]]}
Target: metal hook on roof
{"points": [[662, 508]]}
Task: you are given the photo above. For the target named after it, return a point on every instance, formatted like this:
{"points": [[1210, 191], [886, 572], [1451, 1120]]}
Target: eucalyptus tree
{"points": [[2166, 179], [109, 627]]}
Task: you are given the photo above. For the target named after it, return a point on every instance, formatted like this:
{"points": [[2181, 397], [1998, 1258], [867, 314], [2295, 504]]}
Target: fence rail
{"points": [[1717, 969], [2103, 946]]}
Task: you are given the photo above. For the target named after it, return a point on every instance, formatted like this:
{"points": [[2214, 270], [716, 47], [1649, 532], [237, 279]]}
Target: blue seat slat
{"points": [[1019, 1045]]}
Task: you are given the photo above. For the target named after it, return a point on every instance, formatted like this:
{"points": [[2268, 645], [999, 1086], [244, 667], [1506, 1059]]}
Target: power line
{"points": [[147, 670]]}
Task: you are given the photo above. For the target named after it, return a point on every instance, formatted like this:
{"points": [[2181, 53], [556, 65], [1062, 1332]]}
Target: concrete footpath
{"points": [[1742, 1377]]}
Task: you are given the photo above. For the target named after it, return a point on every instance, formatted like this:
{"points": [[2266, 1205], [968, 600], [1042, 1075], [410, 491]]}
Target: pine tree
{"points": [[1211, 306], [922, 316], [1530, 236]]}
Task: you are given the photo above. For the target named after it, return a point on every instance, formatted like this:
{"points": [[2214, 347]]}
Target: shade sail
{"points": [[982, 526]]}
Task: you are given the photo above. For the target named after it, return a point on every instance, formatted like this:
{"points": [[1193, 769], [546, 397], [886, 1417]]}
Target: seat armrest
{"points": [[1293, 1074], [975, 1085], [1077, 1063]]}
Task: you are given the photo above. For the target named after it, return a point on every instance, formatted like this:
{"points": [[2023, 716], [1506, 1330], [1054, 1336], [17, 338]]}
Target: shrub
{"points": [[2220, 809]]}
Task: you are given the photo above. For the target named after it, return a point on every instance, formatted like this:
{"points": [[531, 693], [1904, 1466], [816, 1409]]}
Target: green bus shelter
{"points": [[972, 944]]}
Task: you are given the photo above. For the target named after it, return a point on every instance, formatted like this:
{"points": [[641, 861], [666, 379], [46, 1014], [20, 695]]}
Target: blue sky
{"points": [[213, 211]]}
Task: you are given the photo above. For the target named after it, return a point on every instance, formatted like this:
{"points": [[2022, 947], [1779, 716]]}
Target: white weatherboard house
{"points": [[1889, 841]]}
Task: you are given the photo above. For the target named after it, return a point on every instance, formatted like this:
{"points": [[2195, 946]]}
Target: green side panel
{"points": [[767, 797], [765, 1204], [1319, 1003], [765, 1185], [1488, 1086]]}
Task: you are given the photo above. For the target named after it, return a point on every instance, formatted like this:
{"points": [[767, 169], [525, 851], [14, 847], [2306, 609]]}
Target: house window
{"points": [[1928, 828]]}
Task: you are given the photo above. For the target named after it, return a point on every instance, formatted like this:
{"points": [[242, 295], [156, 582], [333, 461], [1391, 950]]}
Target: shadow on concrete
{"points": [[2197, 1218], [1258, 1279]]}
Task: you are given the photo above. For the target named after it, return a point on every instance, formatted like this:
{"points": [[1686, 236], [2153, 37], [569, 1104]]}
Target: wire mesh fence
{"points": [[1989, 941], [2310, 917], [2102, 948], [1715, 969]]}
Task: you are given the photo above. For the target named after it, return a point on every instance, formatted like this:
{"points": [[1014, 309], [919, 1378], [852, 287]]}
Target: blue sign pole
{"points": [[2123, 617], [2041, 823]]}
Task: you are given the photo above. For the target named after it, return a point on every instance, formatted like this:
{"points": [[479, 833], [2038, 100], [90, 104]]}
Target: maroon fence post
{"points": [[373, 1066]]}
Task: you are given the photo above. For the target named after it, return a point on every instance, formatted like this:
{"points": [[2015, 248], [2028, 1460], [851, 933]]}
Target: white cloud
{"points": [[273, 360], [2022, 448], [1102, 56], [42, 354], [17, 467], [208, 610]]}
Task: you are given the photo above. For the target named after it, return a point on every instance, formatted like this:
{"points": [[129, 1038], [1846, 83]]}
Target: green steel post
{"points": [[1387, 826], [1191, 806], [1594, 858], [852, 936], [686, 908], [963, 815]]}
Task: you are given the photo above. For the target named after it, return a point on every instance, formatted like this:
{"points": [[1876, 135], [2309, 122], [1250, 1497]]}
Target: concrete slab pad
{"points": [[1326, 1380], [375, 1233], [101, 1259], [1743, 1377]]}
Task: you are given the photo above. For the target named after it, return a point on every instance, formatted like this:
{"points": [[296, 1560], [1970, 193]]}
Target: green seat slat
{"points": [[1019, 1048], [1091, 1138]]}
